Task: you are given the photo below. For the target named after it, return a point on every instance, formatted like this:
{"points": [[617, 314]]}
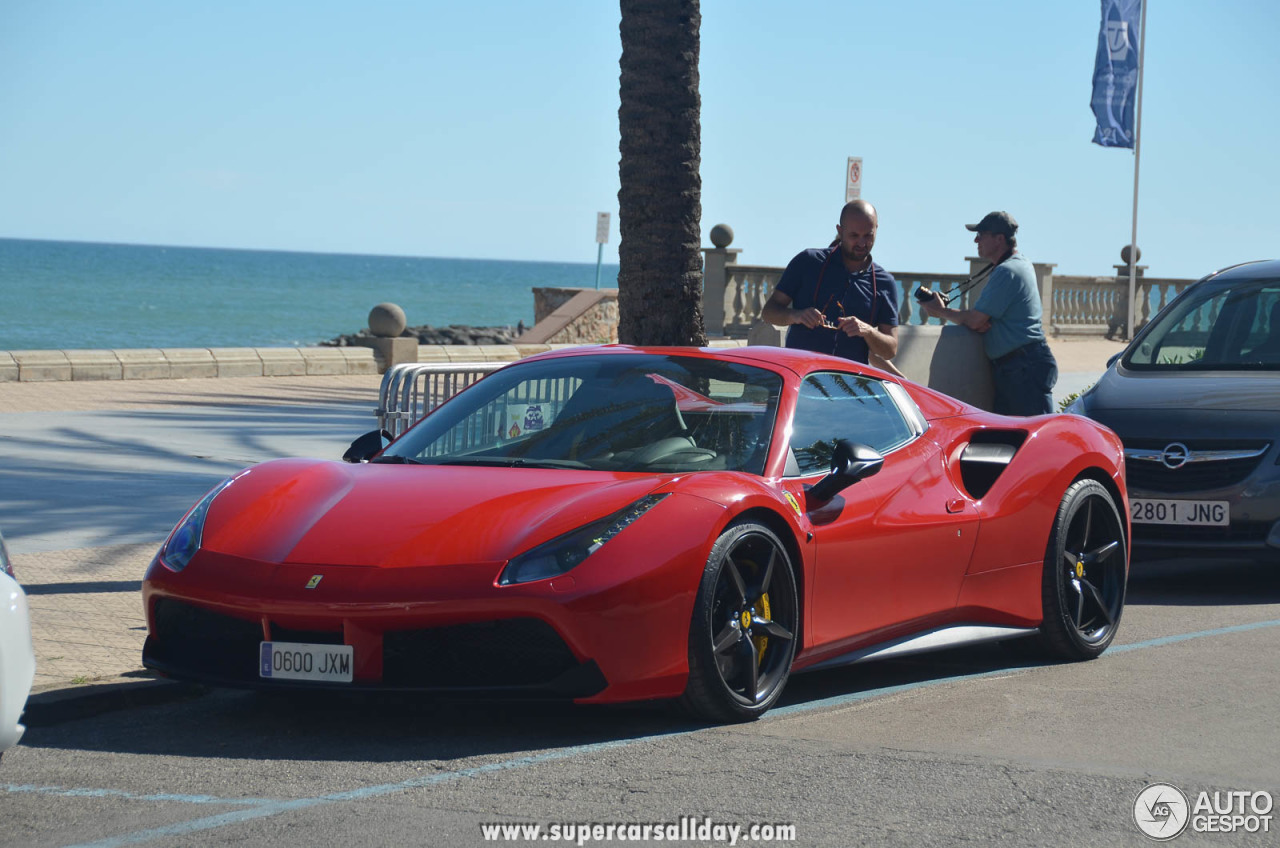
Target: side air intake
{"points": [[986, 457]]}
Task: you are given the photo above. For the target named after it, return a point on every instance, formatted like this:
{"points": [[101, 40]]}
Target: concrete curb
{"points": [[35, 366], [42, 366], [74, 703]]}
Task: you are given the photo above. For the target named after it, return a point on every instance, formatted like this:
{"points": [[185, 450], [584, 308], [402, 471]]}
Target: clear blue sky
{"points": [[490, 129]]}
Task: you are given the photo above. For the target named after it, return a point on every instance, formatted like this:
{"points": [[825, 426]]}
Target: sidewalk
{"points": [[1077, 355], [86, 609]]}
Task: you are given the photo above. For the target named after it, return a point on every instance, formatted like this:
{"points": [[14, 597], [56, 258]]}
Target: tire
{"points": [[1086, 566], [742, 640]]}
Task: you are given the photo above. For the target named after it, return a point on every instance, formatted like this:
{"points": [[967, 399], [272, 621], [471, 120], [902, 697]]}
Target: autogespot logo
{"points": [[1161, 811]]}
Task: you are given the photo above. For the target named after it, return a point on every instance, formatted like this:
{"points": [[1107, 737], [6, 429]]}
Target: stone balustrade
{"points": [[746, 289], [734, 295], [1083, 303], [1087, 304], [909, 308], [1154, 293]]}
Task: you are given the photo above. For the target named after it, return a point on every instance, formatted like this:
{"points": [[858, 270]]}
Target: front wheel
{"points": [[1085, 570], [745, 624]]}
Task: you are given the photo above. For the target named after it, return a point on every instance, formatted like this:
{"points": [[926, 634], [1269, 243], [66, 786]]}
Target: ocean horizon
{"points": [[75, 295]]}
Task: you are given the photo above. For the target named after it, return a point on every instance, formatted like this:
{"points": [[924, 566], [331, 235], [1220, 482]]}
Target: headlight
{"points": [[1080, 403], [1076, 407], [6, 564], [562, 553], [184, 541]]}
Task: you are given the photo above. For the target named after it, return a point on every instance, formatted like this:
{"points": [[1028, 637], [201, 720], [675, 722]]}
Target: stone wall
{"points": [[548, 300], [573, 316]]}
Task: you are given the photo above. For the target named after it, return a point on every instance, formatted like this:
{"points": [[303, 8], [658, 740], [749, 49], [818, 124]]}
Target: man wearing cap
{"points": [[836, 300], [1007, 313]]}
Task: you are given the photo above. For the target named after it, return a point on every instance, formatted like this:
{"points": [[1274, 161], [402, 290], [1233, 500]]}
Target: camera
{"points": [[924, 294]]}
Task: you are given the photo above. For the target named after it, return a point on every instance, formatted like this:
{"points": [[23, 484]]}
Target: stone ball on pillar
{"points": [[1124, 254], [722, 235], [387, 321]]}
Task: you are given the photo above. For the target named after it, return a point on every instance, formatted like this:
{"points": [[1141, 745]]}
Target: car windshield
{"points": [[1214, 328], [623, 412]]}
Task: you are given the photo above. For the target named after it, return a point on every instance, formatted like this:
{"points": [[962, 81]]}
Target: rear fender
{"points": [[1017, 512]]}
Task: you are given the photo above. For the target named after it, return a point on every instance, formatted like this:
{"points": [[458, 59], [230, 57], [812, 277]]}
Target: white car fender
{"points": [[17, 660]]}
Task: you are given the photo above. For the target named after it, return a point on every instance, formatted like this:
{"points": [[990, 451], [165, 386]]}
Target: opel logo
{"points": [[1175, 455]]}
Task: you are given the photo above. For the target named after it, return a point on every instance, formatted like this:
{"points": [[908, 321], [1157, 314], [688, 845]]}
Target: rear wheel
{"points": [[745, 623], [1085, 570]]}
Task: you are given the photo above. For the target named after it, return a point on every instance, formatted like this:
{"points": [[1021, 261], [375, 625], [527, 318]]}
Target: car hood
{"points": [[1220, 390], [331, 513]]}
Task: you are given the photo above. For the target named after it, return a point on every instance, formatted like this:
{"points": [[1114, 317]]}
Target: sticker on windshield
{"points": [[522, 418]]}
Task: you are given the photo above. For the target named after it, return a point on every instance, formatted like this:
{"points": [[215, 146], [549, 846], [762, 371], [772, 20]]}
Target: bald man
{"points": [[836, 300]]}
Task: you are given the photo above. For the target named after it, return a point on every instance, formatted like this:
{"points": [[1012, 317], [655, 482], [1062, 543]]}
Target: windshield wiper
{"points": [[512, 462], [396, 460]]}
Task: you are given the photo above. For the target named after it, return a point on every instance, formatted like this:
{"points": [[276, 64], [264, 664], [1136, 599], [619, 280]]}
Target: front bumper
{"points": [[1249, 485], [517, 657], [613, 629], [1253, 531]]}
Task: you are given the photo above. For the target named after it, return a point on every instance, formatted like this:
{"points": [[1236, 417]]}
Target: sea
{"points": [[80, 295]]}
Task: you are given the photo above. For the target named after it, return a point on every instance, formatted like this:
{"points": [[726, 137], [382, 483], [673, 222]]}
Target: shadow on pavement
{"points": [[1203, 582], [111, 477], [394, 728]]}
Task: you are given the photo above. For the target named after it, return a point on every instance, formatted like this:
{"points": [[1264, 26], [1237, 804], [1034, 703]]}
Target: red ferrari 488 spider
{"points": [[619, 524]]}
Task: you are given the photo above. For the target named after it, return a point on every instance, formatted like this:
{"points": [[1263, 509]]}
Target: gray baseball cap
{"points": [[999, 223]]}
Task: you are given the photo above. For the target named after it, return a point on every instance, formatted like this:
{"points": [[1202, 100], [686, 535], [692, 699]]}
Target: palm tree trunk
{"points": [[660, 199]]}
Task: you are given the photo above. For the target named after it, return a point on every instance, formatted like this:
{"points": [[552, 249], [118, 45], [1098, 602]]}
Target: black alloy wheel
{"points": [[1086, 569], [745, 625]]}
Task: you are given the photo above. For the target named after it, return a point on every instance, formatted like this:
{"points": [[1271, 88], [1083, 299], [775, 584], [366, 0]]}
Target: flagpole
{"points": [[1137, 157]]}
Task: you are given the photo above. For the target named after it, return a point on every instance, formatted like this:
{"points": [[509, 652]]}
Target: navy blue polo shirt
{"points": [[818, 278]]}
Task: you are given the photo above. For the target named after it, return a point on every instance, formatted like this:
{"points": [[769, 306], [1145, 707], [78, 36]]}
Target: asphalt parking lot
{"points": [[968, 746]]}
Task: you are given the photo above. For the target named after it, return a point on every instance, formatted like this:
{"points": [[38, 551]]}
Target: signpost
{"points": [[602, 238], [853, 179]]}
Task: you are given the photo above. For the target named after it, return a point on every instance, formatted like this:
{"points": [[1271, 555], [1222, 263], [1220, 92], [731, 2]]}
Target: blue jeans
{"points": [[1024, 380]]}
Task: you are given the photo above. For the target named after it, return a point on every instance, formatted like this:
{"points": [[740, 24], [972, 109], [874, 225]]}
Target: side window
{"points": [[844, 406], [1182, 339]]}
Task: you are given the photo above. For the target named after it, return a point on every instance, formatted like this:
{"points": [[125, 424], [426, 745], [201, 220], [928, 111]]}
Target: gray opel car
{"points": [[1195, 398]]}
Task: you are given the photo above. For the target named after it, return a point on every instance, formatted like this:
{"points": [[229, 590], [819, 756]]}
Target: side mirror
{"points": [[1112, 360], [367, 446], [850, 462]]}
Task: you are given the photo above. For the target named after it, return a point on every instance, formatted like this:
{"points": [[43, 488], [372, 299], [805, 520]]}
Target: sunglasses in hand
{"points": [[827, 321]]}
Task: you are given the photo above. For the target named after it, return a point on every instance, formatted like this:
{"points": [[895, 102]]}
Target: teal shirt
{"points": [[1012, 300]]}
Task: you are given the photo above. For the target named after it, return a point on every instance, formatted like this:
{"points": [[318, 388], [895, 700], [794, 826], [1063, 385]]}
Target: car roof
{"points": [[799, 361], [932, 403], [1245, 272]]}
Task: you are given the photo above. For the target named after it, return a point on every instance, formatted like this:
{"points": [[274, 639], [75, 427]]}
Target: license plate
{"points": [[1203, 513], [299, 661]]}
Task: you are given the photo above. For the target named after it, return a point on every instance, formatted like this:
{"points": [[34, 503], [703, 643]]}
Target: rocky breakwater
{"points": [[454, 334]]}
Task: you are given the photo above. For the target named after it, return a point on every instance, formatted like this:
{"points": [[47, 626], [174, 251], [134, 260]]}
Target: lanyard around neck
{"points": [[823, 270]]}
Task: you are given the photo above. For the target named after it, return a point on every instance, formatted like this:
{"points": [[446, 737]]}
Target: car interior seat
{"points": [[646, 420], [1269, 350], [606, 418]]}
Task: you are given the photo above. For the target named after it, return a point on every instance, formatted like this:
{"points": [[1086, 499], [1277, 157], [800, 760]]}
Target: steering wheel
{"points": [[664, 450]]}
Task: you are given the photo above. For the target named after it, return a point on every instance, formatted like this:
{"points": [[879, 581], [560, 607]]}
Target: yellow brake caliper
{"points": [[762, 607]]}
